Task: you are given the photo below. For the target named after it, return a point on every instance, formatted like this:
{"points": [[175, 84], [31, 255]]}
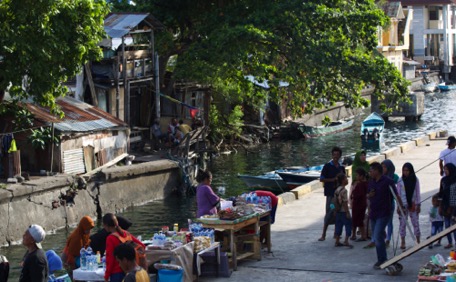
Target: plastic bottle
{"points": [[89, 251], [155, 240], [83, 258], [176, 227], [98, 257], [103, 261]]}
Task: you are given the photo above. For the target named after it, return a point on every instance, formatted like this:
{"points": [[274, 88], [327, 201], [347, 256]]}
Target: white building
{"points": [[432, 33]]}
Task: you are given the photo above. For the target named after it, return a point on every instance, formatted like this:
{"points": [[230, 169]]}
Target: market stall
{"points": [[243, 223]]}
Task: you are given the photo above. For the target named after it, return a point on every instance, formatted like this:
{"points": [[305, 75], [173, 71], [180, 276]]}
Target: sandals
{"points": [[343, 245], [348, 245], [353, 238], [360, 240], [369, 246], [321, 239], [449, 246], [402, 247]]}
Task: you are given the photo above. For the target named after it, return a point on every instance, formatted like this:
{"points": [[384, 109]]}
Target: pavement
{"points": [[299, 256]]}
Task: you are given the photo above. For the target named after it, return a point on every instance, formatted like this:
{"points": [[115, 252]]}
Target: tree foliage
{"points": [[324, 49], [43, 43]]}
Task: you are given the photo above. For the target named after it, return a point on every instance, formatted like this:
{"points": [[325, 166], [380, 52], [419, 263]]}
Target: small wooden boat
{"points": [[372, 131], [295, 178], [332, 127], [270, 181]]}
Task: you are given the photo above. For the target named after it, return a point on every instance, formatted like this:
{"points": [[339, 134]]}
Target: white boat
{"points": [[372, 131], [429, 87]]}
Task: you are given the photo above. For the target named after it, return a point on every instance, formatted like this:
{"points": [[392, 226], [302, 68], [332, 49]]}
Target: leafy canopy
{"points": [[324, 49], [43, 43]]}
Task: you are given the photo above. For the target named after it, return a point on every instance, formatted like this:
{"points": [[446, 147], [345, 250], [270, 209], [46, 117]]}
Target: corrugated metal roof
{"points": [[394, 10], [117, 25], [79, 116]]}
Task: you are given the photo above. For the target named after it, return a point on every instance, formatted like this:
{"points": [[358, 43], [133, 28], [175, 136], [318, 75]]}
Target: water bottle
{"points": [[83, 259], [98, 257], [254, 199], [155, 240], [89, 251]]}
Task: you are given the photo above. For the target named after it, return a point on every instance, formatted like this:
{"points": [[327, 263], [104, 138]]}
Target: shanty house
{"points": [[89, 138]]}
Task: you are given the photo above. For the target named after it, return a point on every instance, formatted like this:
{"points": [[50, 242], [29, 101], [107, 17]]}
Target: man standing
{"points": [[328, 177], [448, 155], [34, 265], [380, 197]]}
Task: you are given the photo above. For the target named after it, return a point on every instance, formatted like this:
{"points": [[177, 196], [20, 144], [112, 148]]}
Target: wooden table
{"points": [[249, 222]]}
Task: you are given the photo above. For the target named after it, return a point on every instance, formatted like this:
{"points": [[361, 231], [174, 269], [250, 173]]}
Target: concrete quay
{"points": [[299, 256]]}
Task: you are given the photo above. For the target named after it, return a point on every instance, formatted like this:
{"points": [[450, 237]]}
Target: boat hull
{"points": [[263, 182], [317, 131], [297, 177], [429, 88], [447, 87]]}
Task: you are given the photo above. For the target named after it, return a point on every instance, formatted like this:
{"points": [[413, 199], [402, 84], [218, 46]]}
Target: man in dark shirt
{"points": [[328, 177], [380, 197], [98, 240], [34, 265]]}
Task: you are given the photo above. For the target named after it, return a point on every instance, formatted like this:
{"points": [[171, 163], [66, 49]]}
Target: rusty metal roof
{"points": [[393, 9], [79, 117], [117, 25]]}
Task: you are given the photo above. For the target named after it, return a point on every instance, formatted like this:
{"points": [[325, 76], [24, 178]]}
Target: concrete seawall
{"points": [[57, 201]]}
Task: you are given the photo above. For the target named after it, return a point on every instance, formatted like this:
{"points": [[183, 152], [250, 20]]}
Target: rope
{"points": [[12, 132]]}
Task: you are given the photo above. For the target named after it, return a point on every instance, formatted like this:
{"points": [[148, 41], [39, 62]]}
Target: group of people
{"points": [[174, 134], [113, 240], [375, 189]]}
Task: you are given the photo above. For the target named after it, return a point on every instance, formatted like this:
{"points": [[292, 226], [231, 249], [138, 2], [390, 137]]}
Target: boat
{"points": [[372, 131], [295, 178], [446, 87], [269, 181], [332, 127], [429, 87]]}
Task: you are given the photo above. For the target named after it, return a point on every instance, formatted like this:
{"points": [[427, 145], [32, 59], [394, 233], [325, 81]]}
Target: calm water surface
{"points": [[439, 114]]}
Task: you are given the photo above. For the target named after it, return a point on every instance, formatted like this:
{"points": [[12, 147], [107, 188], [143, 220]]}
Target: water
{"points": [[439, 114]]}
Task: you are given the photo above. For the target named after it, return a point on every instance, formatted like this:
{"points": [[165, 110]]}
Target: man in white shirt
{"points": [[448, 155]]}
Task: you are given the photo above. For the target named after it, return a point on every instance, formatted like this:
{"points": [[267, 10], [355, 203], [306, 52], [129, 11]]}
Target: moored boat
{"points": [[294, 178], [429, 87], [372, 131], [446, 87], [270, 181], [332, 127]]}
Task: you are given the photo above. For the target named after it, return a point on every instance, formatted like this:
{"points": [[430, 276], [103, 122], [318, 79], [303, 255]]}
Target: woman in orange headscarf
{"points": [[80, 237]]}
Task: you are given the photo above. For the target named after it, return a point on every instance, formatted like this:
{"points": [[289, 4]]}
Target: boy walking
{"points": [[343, 218]]}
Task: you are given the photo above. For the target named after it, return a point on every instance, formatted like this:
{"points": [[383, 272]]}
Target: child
{"points": [[125, 255], [343, 217], [435, 218], [359, 204]]}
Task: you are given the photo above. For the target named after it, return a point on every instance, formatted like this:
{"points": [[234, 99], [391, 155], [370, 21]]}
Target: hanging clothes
{"points": [[6, 143]]}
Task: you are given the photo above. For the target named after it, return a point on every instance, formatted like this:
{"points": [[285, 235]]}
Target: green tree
{"points": [[43, 43], [324, 49]]}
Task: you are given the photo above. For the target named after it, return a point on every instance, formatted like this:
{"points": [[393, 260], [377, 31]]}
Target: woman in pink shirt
{"points": [[206, 200]]}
